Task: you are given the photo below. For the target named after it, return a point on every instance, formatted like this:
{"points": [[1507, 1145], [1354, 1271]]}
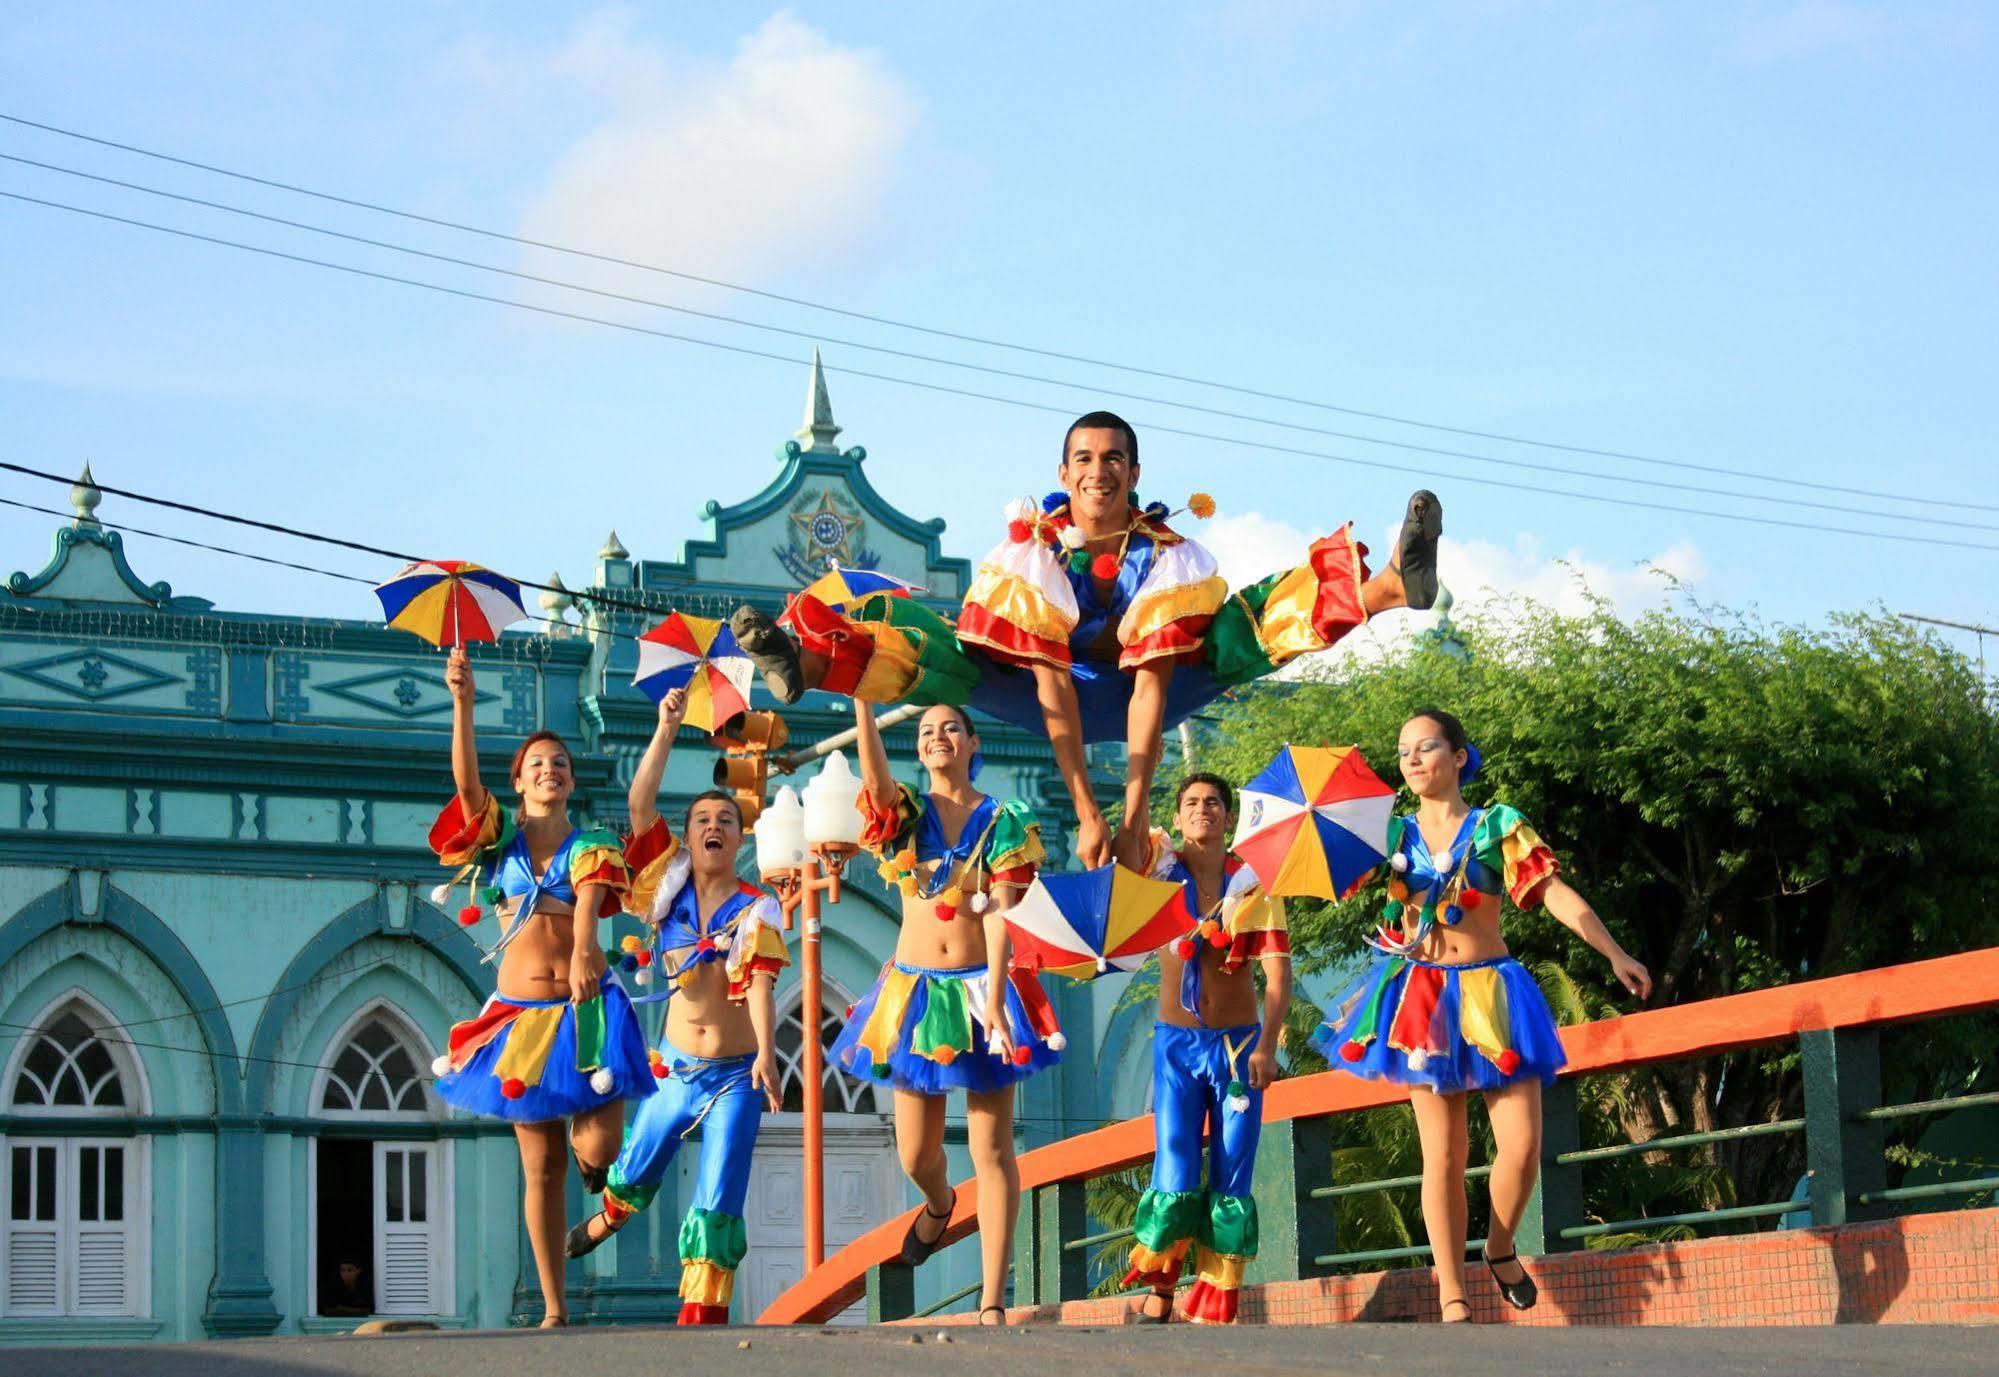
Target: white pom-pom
{"points": [[601, 1080], [1102, 965], [440, 1066], [642, 976], [1398, 863], [1057, 1041], [1418, 1060], [980, 903], [1238, 1103], [1020, 509], [441, 895], [1441, 864], [1072, 539]]}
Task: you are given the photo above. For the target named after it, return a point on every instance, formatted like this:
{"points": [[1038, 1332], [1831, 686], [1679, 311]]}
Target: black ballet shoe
{"points": [[773, 652], [1444, 1311], [1416, 549], [579, 1243], [1165, 1317], [916, 1250], [999, 1310], [1520, 1294], [594, 1178]]}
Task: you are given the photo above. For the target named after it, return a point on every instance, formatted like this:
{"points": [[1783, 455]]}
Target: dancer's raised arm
{"points": [[642, 799], [464, 747], [876, 776]]}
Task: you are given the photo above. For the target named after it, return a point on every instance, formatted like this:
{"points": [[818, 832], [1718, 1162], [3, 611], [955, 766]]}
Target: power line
{"points": [[1039, 379], [194, 544], [746, 351], [982, 341]]}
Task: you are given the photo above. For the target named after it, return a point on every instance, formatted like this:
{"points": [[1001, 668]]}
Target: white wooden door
{"points": [[75, 1211], [409, 1214], [861, 1191]]}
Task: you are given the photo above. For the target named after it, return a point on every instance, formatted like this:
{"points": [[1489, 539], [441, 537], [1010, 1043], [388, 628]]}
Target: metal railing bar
{"points": [[1903, 1111], [1076, 1244], [1931, 1192], [1388, 1254], [1719, 1135], [962, 1293], [1387, 1184], [1633, 1226]]}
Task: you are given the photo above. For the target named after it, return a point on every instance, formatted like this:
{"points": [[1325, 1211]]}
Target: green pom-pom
{"points": [[1392, 911], [1079, 562], [488, 895], [880, 1071], [1237, 1090]]}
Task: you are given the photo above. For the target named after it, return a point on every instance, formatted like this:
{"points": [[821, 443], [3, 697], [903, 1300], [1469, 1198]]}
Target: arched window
{"points": [[76, 1205], [374, 1072], [68, 1067], [843, 1094]]}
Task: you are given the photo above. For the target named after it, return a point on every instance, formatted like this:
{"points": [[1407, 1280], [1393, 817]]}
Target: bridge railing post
{"points": [[1294, 1157], [1844, 1152], [891, 1294], [1557, 1201], [1060, 1215]]}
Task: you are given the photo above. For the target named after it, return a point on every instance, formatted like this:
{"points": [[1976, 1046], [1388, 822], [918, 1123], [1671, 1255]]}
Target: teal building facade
{"points": [[223, 978]]}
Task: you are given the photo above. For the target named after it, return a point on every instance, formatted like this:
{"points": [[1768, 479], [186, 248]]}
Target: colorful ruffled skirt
{"points": [[922, 1029], [533, 1060], [1477, 1026]]}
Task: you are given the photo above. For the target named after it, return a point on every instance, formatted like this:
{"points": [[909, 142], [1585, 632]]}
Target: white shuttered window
{"points": [[407, 1230]]}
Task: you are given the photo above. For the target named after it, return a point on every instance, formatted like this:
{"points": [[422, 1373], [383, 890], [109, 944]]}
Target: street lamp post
{"points": [[802, 849]]}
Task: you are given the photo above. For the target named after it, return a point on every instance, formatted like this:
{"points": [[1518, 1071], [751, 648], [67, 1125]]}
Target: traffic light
{"points": [[747, 739]]}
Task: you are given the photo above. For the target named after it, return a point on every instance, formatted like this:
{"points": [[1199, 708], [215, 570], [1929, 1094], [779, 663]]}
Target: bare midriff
{"points": [[701, 1019], [928, 940], [1475, 938], [1228, 998], [535, 964]]}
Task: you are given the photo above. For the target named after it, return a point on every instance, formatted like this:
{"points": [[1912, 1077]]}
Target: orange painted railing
{"points": [[1868, 999]]}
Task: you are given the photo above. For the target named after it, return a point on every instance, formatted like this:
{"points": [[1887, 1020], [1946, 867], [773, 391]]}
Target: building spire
{"points": [[84, 497], [819, 429]]}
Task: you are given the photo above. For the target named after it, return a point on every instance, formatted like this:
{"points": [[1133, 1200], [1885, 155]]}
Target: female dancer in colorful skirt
{"points": [[949, 1012], [1445, 1010], [557, 1051]]}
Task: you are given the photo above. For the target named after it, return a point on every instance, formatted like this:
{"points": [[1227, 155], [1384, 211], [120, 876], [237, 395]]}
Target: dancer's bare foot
{"points": [[1410, 580]]}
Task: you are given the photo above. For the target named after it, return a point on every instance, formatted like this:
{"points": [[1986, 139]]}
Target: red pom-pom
{"points": [[1021, 1056], [944, 1055], [1218, 938], [469, 916], [1184, 949], [1105, 567], [1018, 532], [705, 945], [513, 1087], [1470, 900], [946, 912], [644, 958], [850, 1013], [659, 1070], [1509, 1062], [1352, 1051]]}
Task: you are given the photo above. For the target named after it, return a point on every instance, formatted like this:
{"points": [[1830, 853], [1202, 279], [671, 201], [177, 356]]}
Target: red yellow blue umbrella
{"points": [[841, 588], [450, 602], [1315, 822], [701, 656], [1091, 923]]}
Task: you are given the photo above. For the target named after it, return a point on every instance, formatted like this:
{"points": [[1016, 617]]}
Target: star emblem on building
{"points": [[825, 531]]}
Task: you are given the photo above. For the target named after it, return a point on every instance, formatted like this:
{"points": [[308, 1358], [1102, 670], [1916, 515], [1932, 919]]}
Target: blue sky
{"points": [[1754, 237]]}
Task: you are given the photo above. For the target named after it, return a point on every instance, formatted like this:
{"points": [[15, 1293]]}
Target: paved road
{"points": [[1354, 1350]]}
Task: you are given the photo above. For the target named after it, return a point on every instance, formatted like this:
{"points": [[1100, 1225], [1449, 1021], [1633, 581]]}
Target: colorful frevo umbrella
{"points": [[450, 602], [1315, 822], [841, 588], [701, 656], [1087, 924]]}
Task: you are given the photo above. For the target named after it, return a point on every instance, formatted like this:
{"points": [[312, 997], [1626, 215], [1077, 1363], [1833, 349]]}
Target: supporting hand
{"points": [[586, 974], [1632, 975], [764, 1077], [1262, 1067], [1093, 841], [998, 1040]]}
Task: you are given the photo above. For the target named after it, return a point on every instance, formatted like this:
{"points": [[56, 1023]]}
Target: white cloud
{"points": [[778, 159]]}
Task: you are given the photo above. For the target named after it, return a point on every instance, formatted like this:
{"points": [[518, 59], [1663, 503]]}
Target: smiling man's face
{"points": [[714, 835], [1099, 474]]}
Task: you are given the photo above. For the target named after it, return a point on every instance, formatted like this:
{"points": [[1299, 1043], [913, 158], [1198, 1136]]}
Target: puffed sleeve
{"points": [[647, 856], [1170, 613], [597, 858], [1014, 850], [1021, 607], [1254, 921], [1507, 843], [460, 840], [757, 947]]}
